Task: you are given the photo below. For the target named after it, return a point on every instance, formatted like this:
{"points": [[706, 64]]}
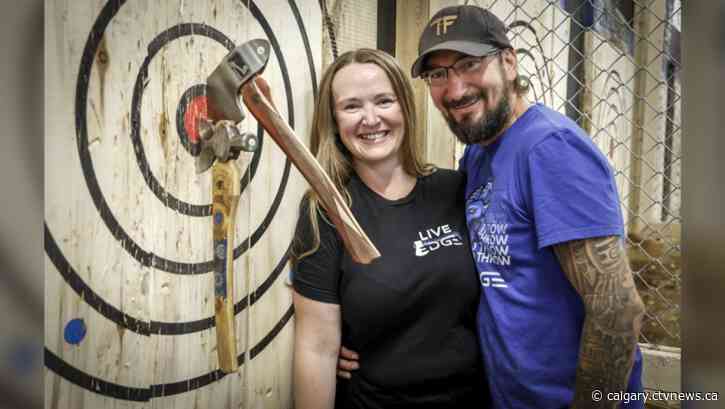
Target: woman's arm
{"points": [[317, 344]]}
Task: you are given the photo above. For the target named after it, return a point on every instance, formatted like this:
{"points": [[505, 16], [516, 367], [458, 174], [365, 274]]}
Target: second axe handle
{"points": [[356, 241]]}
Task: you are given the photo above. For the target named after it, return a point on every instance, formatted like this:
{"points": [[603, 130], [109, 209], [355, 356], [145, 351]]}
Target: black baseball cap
{"points": [[470, 30]]}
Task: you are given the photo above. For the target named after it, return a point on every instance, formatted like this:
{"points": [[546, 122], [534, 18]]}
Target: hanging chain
{"points": [[330, 28]]}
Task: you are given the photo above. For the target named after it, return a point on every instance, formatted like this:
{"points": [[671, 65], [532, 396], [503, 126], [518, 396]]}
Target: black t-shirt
{"points": [[410, 313]]}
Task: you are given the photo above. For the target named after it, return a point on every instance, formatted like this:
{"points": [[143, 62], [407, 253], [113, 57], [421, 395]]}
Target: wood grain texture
{"points": [[123, 72], [411, 18], [648, 87], [225, 194]]}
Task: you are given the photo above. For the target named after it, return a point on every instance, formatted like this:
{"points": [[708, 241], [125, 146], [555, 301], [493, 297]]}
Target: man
{"points": [[559, 315]]}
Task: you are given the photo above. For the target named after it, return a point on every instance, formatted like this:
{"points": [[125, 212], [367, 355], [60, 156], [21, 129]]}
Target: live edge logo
{"points": [[433, 239]]}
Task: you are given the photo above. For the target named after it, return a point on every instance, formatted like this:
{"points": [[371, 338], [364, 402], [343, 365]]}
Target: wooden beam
{"points": [[575, 80], [649, 119], [411, 18], [438, 143], [386, 25]]}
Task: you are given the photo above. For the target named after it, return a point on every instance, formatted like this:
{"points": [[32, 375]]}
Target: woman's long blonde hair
{"points": [[335, 159]]}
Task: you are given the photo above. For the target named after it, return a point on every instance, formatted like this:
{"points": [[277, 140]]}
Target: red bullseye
{"points": [[196, 110]]}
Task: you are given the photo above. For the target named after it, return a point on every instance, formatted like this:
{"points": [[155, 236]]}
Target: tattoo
{"points": [[599, 271]]}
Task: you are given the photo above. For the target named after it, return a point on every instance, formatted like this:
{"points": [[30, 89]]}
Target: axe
{"points": [[221, 142]]}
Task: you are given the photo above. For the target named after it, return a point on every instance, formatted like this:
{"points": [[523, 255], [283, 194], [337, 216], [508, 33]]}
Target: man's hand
{"points": [[347, 362]]}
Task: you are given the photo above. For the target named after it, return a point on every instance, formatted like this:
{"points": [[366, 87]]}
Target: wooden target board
{"points": [[129, 283]]}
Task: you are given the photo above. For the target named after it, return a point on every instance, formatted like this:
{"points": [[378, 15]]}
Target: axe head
{"points": [[238, 67], [219, 137], [222, 141]]}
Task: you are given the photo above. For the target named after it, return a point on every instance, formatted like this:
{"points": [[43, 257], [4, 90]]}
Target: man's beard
{"points": [[488, 126]]}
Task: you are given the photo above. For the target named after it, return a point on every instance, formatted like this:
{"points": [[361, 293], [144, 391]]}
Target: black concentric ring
{"points": [[142, 77], [139, 326], [97, 385], [144, 257]]}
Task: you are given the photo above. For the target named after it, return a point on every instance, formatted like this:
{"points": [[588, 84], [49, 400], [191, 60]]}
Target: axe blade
{"points": [[238, 67]]}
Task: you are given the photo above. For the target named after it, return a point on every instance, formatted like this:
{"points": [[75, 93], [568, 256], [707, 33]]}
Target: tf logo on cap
{"points": [[467, 29]]}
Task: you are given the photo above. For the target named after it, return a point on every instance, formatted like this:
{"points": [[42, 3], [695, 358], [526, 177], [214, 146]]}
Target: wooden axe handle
{"points": [[356, 241], [225, 198]]}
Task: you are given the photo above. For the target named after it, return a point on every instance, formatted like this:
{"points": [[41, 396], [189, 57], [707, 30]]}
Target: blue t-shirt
{"points": [[543, 182]]}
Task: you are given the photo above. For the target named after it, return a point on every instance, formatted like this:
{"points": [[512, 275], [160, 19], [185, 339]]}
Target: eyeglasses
{"points": [[463, 67]]}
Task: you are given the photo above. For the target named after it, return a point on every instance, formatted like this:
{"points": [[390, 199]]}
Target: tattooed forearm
{"points": [[598, 270]]}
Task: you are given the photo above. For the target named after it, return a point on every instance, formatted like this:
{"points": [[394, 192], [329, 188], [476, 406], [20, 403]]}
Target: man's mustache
{"points": [[463, 101]]}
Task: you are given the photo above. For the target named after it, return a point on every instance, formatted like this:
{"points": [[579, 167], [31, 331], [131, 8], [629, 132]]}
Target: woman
{"points": [[409, 314]]}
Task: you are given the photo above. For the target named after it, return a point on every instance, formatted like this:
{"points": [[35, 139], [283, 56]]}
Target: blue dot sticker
{"points": [[75, 331]]}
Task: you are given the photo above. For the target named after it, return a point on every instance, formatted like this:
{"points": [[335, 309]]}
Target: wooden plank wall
{"points": [[128, 237]]}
